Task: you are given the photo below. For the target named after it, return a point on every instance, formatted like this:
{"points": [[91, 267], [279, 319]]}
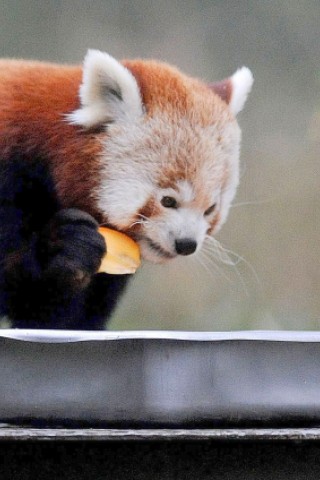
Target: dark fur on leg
{"points": [[49, 256]]}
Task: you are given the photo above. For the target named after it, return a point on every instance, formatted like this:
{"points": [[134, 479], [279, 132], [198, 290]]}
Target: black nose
{"points": [[186, 246]]}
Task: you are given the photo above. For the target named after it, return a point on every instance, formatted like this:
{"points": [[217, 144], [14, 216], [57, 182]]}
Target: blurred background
{"points": [[267, 275]]}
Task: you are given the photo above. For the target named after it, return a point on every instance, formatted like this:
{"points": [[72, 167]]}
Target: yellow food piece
{"points": [[123, 253]]}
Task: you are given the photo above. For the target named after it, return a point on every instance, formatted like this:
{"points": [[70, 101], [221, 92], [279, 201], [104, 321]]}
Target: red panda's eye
{"points": [[169, 202], [210, 209]]}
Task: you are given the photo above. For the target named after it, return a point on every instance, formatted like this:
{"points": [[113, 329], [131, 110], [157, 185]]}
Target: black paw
{"points": [[71, 248]]}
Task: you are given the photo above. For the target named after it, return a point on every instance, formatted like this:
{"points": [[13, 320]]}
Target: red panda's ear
{"points": [[235, 90], [108, 93]]}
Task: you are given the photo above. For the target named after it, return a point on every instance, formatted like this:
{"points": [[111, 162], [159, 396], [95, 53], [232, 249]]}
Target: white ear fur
{"points": [[241, 82], [108, 92]]}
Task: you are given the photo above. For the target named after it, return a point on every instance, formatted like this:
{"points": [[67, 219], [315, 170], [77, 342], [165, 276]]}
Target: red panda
{"points": [[136, 145]]}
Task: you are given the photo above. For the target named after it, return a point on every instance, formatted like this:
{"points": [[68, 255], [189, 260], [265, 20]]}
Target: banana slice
{"points": [[123, 253]]}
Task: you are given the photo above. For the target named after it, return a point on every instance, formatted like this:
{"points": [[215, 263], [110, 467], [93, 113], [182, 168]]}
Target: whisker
{"points": [[138, 222], [237, 256], [208, 257], [143, 217], [203, 263], [234, 265], [253, 202], [221, 255]]}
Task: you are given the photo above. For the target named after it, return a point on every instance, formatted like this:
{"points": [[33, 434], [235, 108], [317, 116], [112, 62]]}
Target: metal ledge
{"points": [[182, 381], [97, 434]]}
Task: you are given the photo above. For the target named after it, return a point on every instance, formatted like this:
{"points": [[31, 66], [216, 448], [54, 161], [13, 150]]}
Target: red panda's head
{"points": [[170, 163]]}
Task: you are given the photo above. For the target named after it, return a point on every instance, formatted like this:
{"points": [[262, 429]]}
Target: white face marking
{"points": [[186, 191], [135, 160], [186, 222]]}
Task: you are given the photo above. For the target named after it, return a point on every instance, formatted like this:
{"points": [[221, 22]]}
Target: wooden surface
{"points": [[92, 434]]}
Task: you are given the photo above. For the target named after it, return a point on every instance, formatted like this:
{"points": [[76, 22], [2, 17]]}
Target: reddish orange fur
{"points": [[173, 91], [35, 96]]}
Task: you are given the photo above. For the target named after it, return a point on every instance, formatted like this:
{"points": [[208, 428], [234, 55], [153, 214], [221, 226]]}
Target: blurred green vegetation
{"points": [[274, 224]]}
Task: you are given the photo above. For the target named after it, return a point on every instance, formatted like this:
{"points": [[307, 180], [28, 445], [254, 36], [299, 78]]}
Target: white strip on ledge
{"points": [[39, 434], [67, 336]]}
